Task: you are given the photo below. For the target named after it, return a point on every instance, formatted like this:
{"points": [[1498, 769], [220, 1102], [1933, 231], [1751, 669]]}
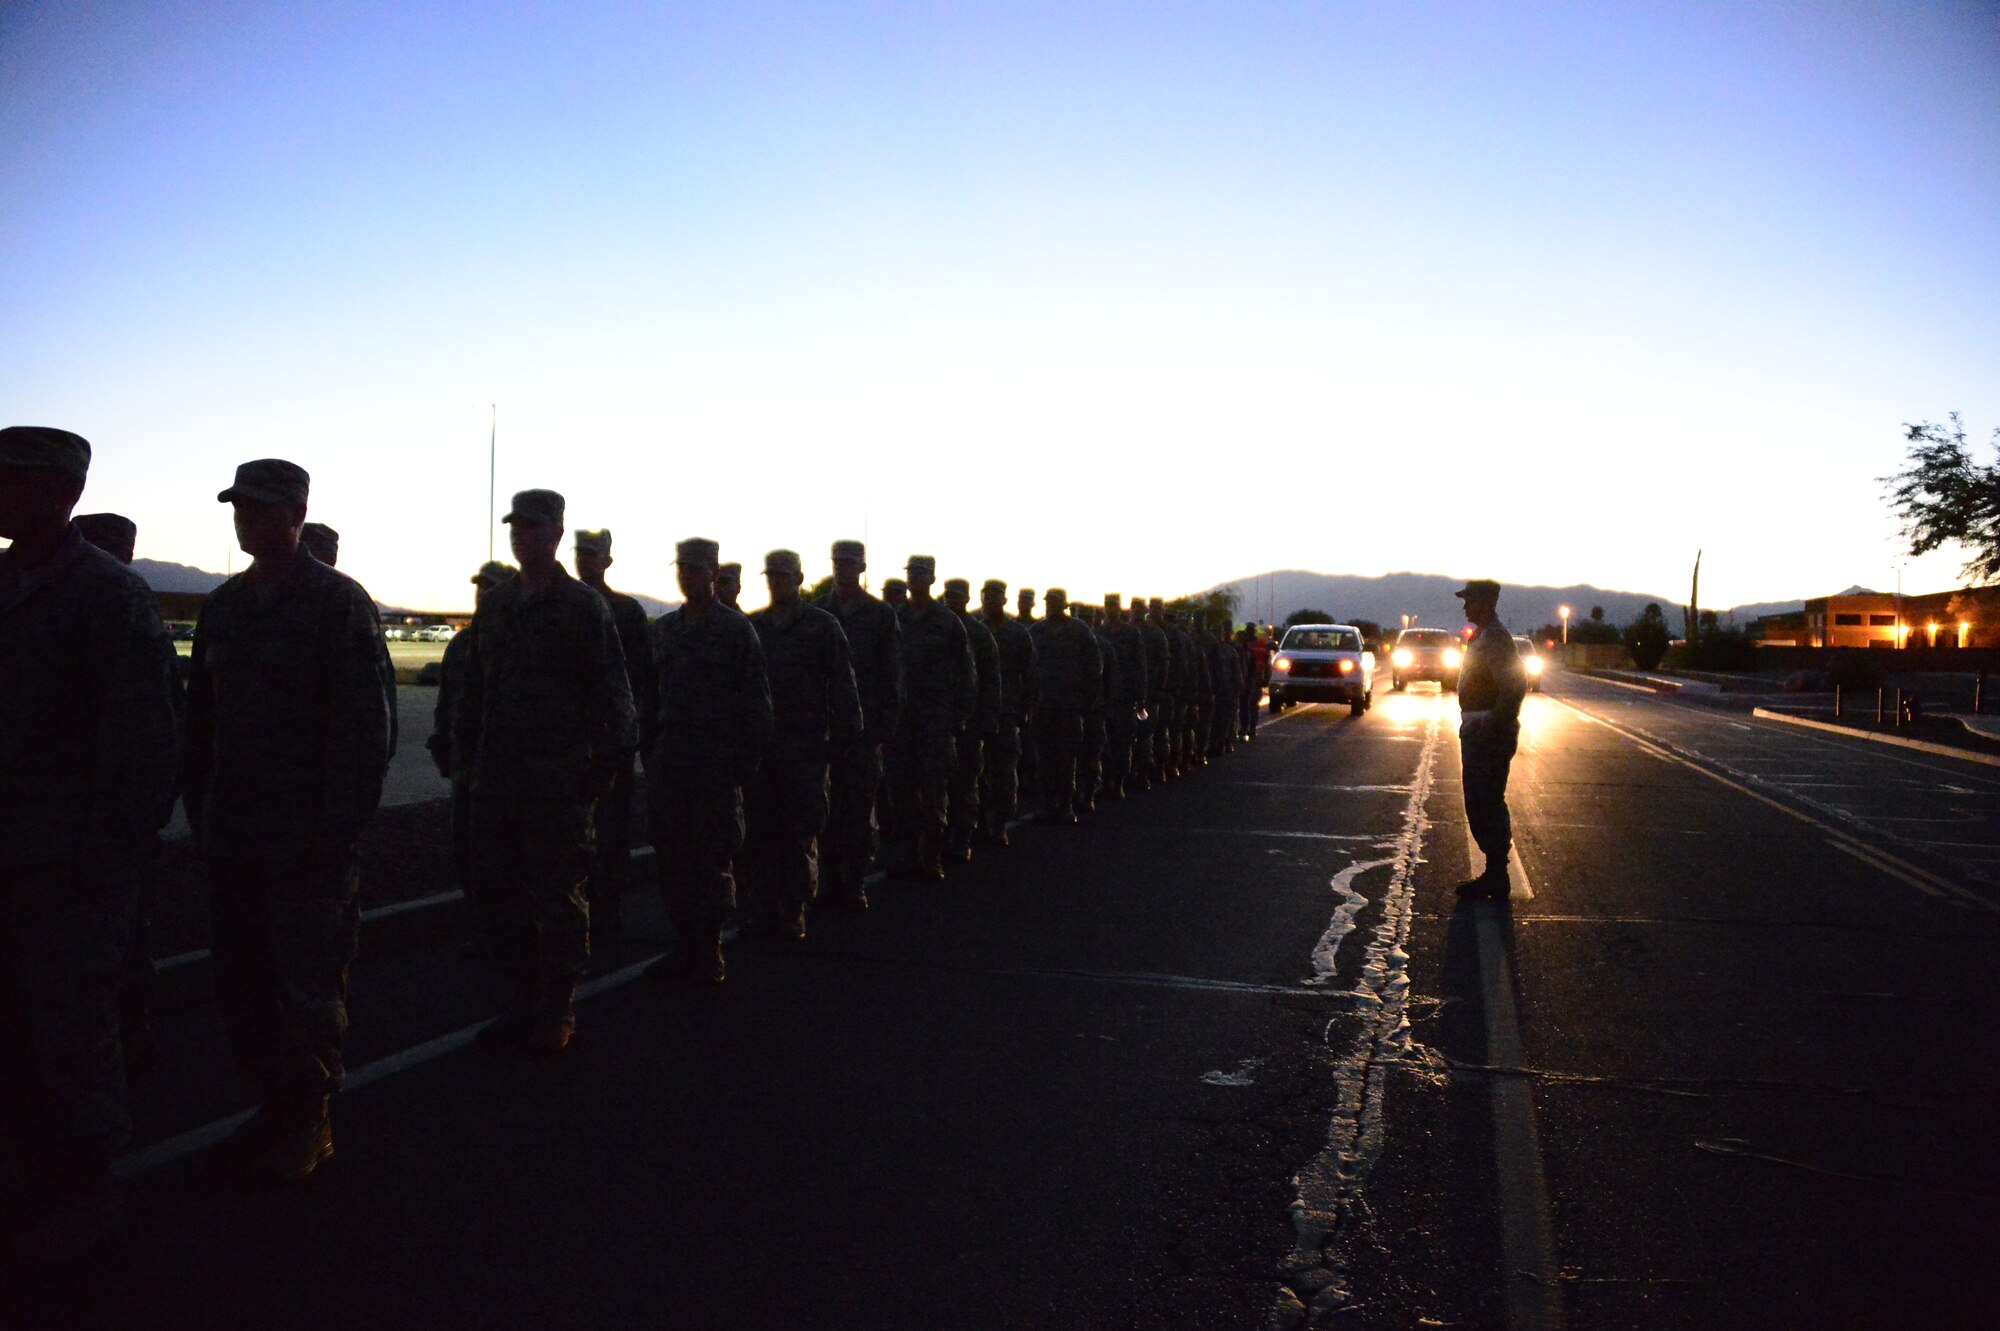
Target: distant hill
{"points": [[1428, 597], [164, 577]]}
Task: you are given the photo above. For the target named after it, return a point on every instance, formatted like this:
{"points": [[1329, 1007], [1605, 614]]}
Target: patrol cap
{"points": [[1026, 593], [594, 542], [1113, 601], [922, 564], [1056, 594], [850, 550], [268, 481], [45, 446], [957, 585], [895, 585], [785, 561], [699, 551], [493, 573], [113, 533], [992, 585], [732, 571], [320, 537], [1479, 589], [544, 506]]}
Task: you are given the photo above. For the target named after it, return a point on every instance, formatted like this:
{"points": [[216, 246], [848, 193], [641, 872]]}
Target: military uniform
{"points": [[290, 723], [611, 820], [88, 762], [1150, 746], [1090, 753], [973, 741], [1194, 683], [875, 648], [941, 693], [451, 684], [1226, 669], [1028, 770], [1125, 696], [1069, 677], [816, 712], [1492, 683], [999, 778], [1166, 715], [709, 710]]}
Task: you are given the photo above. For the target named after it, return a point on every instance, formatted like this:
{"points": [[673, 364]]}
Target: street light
{"points": [[1563, 610]]}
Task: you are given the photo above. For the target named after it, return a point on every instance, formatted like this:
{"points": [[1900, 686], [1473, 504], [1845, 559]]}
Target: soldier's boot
{"points": [[958, 846], [929, 857], [792, 921], [553, 1024], [84, 1208], [854, 893], [993, 831], [1490, 885], [301, 1140]]}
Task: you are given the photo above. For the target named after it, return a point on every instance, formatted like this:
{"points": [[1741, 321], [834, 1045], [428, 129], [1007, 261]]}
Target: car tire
{"points": [[1357, 707], [1277, 704], [1396, 684]]}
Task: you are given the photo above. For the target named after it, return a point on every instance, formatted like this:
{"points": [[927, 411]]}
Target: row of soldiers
{"points": [[767, 741]]}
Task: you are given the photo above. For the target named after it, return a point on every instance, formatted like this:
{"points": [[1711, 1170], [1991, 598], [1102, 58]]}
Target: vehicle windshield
{"points": [[1322, 640], [1524, 646], [1427, 638]]}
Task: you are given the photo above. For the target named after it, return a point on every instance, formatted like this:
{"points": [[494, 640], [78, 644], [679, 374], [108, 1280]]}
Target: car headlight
{"points": [[1401, 656], [1347, 667], [1534, 664], [1452, 656], [1281, 664]]}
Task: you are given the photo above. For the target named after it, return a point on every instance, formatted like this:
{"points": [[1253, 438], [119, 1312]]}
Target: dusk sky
{"points": [[1137, 297]]}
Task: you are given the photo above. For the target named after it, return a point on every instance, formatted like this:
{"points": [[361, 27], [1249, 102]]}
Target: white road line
{"points": [[1306, 785], [1178, 982]]}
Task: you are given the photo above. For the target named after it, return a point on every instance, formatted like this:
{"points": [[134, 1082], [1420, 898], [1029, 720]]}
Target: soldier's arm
{"points": [[843, 698], [616, 732], [361, 716], [890, 672], [137, 753], [467, 700], [753, 704], [198, 729]]}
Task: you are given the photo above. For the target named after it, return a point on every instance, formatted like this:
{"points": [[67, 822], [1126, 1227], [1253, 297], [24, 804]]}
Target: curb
{"points": [[1922, 746]]}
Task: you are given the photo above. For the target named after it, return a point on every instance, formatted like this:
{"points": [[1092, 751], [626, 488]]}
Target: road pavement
{"points": [[1230, 1054]]}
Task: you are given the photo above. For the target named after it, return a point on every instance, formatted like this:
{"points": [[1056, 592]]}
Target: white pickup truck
{"points": [[1323, 662]]}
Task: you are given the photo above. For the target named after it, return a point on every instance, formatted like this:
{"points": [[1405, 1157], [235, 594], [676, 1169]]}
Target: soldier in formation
{"points": [[707, 710], [1149, 760], [1125, 698], [451, 684], [543, 726], [999, 776], [729, 585], [290, 724], [972, 742], [1069, 675], [875, 648], [88, 760], [941, 693], [1028, 772], [1090, 753], [611, 821], [816, 713], [322, 542]]}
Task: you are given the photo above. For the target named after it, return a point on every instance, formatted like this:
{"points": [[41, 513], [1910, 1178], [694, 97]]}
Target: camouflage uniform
{"points": [[1150, 749], [290, 723], [1491, 686], [941, 682], [1195, 698], [1029, 771], [708, 705], [611, 823], [875, 648], [544, 721], [87, 770], [816, 712], [1068, 680], [1226, 667], [451, 684], [1125, 695], [1090, 754], [976, 738], [1000, 776]]}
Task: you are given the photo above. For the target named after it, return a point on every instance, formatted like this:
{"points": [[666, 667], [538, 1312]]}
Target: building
{"points": [[1966, 618]]}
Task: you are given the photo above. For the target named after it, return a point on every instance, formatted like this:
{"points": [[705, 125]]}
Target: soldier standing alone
{"points": [[1491, 686], [816, 712], [875, 647], [543, 726], [290, 724], [708, 706], [612, 821], [87, 769]]}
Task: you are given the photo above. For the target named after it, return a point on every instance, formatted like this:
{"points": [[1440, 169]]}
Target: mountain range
{"points": [[1428, 599]]}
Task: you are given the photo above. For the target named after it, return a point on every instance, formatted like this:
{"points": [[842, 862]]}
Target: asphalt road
{"points": [[1229, 1053]]}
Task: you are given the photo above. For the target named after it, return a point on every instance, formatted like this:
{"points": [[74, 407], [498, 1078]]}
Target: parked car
{"points": [[1531, 661], [1434, 654], [436, 633], [1323, 662], [396, 633]]}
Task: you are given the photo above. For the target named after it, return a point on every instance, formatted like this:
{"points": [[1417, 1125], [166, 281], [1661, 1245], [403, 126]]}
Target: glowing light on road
{"points": [[1402, 656], [1533, 664], [1281, 665], [1452, 656]]}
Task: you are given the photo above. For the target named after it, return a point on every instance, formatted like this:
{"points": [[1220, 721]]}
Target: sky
{"points": [[1137, 297]]}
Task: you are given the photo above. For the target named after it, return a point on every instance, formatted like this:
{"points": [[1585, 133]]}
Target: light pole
{"points": [[1563, 610]]}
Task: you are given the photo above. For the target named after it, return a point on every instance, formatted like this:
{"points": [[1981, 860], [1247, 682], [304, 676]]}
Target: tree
{"points": [[1647, 637], [1215, 609], [1308, 617], [1371, 632], [1597, 614], [1944, 497], [820, 588]]}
